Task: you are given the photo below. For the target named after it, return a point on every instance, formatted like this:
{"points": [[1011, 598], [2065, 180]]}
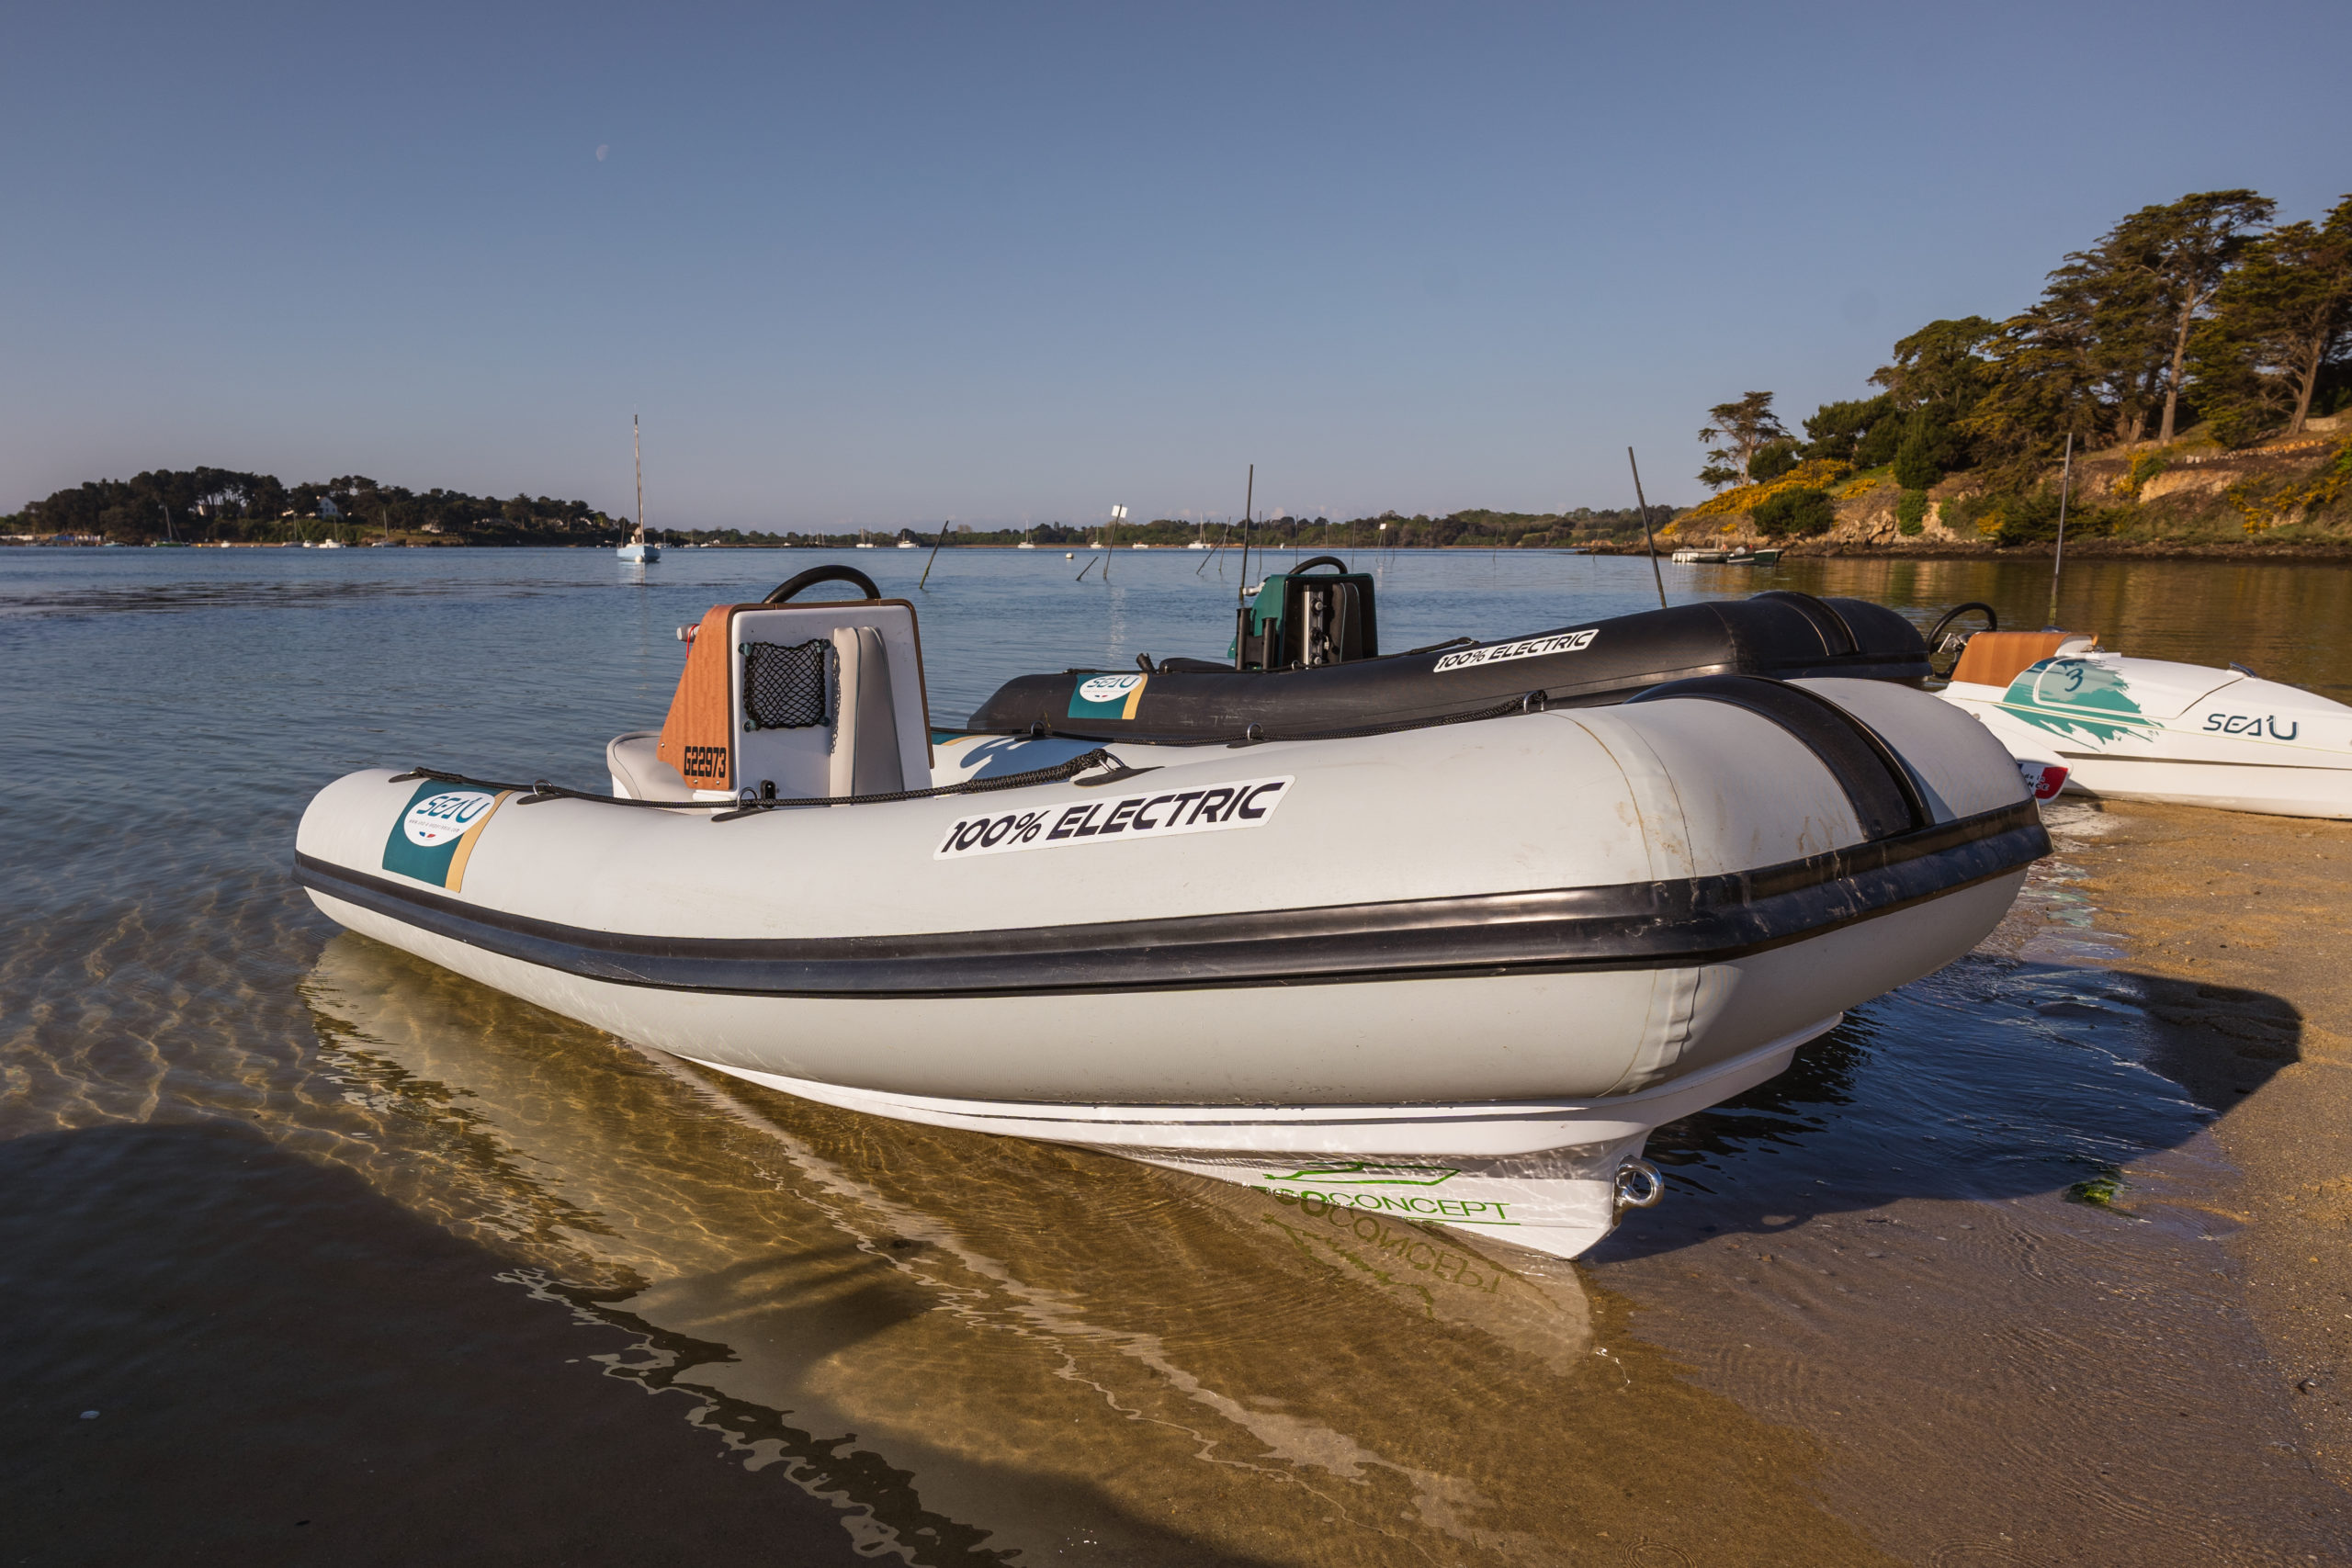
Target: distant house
{"points": [[327, 507]]}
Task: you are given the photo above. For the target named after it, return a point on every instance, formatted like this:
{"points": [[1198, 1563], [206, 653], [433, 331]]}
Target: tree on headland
{"points": [[1860, 431], [2083, 360], [2280, 321], [1771, 460], [1938, 375], [1795, 514], [2184, 250], [2107, 344], [1941, 366], [2182, 313], [1742, 427]]}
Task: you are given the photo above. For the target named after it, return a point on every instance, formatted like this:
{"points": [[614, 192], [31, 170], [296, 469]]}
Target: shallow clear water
{"points": [[320, 1231]]}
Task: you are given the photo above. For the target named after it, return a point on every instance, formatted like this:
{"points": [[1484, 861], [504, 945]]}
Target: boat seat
{"points": [[1995, 659], [801, 702], [638, 773], [865, 758]]}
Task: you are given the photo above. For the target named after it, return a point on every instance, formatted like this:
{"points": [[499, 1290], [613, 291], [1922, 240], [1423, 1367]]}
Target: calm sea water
{"points": [[356, 1262]]}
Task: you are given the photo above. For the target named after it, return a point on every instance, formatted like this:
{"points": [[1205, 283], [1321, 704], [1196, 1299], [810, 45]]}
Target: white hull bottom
{"points": [[2269, 791], [1544, 1175]]}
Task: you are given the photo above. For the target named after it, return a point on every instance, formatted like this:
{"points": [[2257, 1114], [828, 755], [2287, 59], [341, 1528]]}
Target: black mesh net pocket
{"points": [[786, 688]]}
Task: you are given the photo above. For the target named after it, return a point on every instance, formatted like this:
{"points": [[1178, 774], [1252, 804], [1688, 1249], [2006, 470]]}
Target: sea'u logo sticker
{"points": [[437, 818], [434, 834], [1107, 696]]}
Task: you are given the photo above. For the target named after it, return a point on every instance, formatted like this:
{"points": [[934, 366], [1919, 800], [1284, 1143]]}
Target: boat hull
{"points": [[2180, 734], [1539, 1172], [1506, 949]]}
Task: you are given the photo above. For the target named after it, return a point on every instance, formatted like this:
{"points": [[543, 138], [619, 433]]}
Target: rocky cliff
{"points": [[2193, 496]]}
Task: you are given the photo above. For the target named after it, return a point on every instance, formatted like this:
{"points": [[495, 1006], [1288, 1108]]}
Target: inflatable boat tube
{"points": [[1453, 974], [1323, 677]]}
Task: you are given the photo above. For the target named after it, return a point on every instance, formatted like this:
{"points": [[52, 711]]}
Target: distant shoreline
{"points": [[2076, 549], [2088, 549]]}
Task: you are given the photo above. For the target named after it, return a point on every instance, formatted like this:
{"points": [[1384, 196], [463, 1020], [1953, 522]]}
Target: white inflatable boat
{"points": [[2152, 730], [1452, 973]]}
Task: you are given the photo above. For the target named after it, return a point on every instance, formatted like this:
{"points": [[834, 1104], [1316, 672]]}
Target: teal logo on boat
{"points": [[1359, 1173], [2075, 696], [434, 834], [1107, 696]]}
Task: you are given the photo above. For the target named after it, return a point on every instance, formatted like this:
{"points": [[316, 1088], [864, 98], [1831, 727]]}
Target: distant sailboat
{"points": [[638, 550], [863, 542], [1028, 540]]}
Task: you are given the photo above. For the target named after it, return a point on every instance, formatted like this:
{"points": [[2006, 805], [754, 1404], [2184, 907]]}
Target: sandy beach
{"points": [[2237, 904]]}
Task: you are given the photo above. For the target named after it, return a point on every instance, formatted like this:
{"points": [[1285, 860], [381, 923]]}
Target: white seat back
{"points": [[828, 700]]}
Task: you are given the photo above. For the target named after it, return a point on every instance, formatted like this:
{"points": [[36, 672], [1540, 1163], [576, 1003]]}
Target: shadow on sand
{"points": [[286, 1366], [1995, 1078]]}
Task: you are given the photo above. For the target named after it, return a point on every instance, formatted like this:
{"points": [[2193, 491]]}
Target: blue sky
{"points": [[889, 264]]}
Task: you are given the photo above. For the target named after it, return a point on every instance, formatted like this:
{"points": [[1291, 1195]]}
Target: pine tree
{"points": [[2280, 320], [1743, 427]]}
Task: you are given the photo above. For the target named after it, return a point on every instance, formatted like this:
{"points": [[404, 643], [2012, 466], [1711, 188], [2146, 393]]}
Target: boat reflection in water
{"points": [[974, 1345]]}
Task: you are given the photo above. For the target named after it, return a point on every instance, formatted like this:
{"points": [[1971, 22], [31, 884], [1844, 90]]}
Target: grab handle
{"points": [[817, 574]]}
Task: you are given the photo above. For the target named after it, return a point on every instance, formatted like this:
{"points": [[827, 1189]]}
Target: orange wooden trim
{"points": [[697, 739], [1994, 659]]}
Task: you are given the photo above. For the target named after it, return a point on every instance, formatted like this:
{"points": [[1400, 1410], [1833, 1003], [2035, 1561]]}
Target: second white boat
{"points": [[2154, 729]]}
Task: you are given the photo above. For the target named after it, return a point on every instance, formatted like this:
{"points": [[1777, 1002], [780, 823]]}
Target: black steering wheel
{"points": [[1940, 643], [1310, 565], [817, 574]]}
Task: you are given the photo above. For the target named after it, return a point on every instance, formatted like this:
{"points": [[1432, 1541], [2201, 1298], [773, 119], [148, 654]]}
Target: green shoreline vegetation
{"points": [[228, 507], [2188, 379], [2183, 384]]}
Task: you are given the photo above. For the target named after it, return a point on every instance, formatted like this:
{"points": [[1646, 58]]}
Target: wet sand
{"points": [[2227, 903]]}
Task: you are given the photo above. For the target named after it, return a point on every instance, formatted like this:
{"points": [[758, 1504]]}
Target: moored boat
{"points": [[2155, 729], [1452, 973], [637, 550]]}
